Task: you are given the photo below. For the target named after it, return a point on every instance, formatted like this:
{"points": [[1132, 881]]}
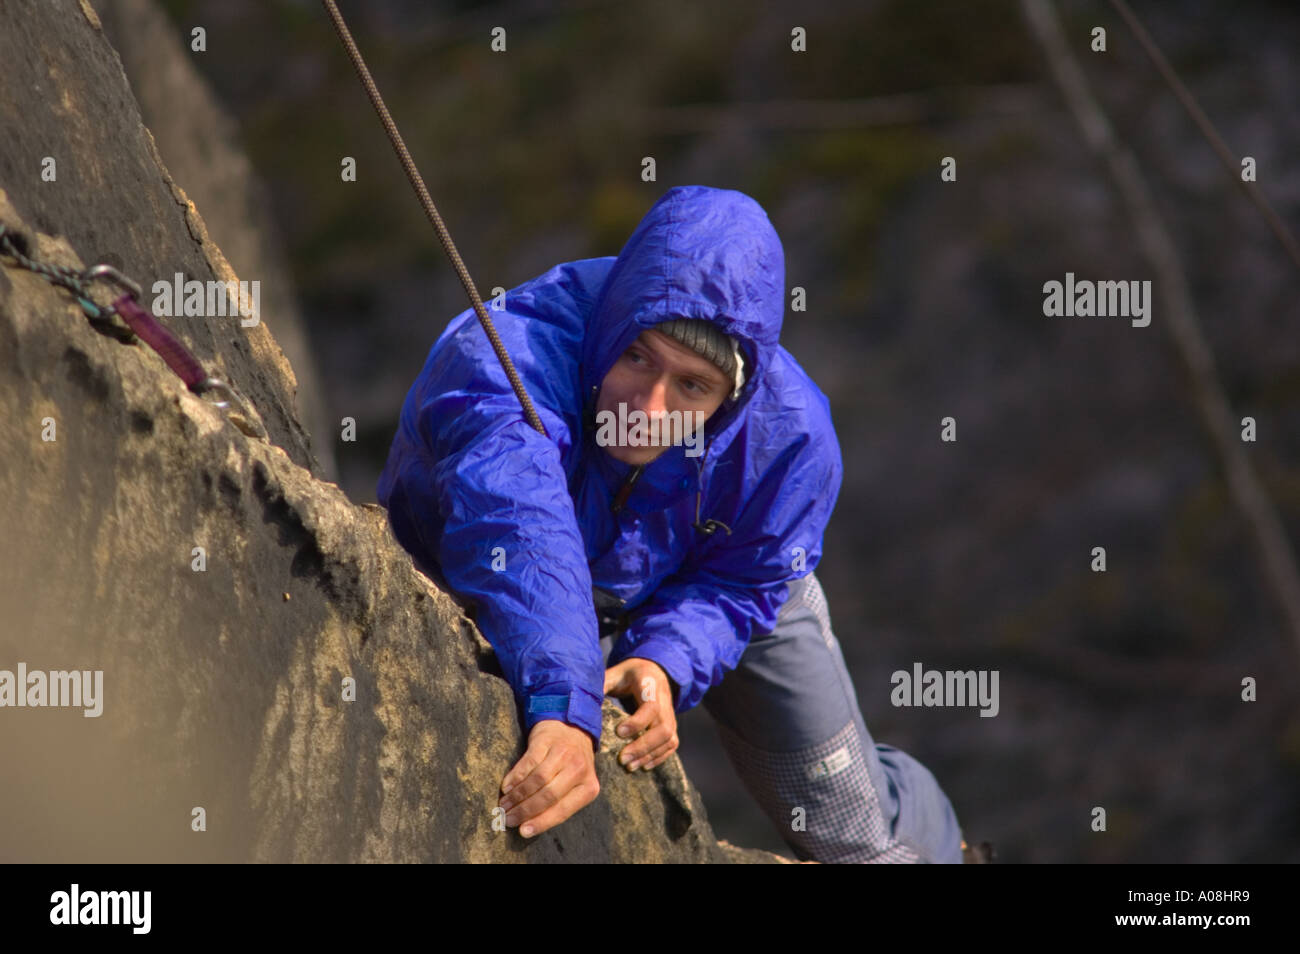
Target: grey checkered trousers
{"points": [[788, 718]]}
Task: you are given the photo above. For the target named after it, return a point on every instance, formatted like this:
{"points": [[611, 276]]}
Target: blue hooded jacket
{"points": [[523, 526]]}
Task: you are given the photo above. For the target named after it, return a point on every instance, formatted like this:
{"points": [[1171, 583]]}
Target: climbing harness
{"points": [[431, 211], [139, 323]]}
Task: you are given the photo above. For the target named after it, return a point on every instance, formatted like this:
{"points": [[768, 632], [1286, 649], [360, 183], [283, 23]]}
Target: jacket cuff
{"points": [[576, 707]]}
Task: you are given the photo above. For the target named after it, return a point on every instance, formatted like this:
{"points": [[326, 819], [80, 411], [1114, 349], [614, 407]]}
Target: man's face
{"points": [[657, 375]]}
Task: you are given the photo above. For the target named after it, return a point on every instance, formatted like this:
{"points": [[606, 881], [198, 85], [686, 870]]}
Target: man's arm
{"points": [[510, 542], [697, 628], [700, 620], [470, 483], [470, 486]]}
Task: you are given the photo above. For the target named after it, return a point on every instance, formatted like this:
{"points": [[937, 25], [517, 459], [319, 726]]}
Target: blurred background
{"points": [[1119, 689]]}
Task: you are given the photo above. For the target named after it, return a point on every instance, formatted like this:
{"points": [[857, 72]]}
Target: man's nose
{"points": [[655, 398]]}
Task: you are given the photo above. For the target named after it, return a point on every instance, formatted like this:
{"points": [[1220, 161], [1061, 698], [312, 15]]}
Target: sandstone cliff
{"points": [[223, 688]]}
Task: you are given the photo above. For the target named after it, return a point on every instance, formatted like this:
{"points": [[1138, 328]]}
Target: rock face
{"points": [[199, 143], [227, 596]]}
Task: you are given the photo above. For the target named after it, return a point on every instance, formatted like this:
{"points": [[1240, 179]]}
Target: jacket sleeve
{"points": [[473, 485], [699, 621]]}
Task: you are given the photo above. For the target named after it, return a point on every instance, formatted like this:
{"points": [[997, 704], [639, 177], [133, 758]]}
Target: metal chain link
{"points": [[13, 244], [130, 319]]}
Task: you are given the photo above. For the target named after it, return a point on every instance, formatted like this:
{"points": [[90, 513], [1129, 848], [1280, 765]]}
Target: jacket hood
{"points": [[703, 253], [587, 535]]}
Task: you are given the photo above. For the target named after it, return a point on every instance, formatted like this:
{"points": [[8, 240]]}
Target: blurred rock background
{"points": [[1118, 689]]}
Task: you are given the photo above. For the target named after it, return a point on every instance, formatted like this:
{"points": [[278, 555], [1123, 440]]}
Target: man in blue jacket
{"points": [[684, 562]]}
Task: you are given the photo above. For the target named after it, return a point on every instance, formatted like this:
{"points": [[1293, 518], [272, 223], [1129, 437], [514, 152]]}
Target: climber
{"points": [[599, 566]]}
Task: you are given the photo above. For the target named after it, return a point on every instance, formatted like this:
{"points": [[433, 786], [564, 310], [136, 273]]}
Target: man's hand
{"points": [[554, 779], [654, 715]]}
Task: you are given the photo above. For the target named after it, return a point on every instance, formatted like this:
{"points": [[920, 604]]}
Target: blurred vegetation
{"points": [[925, 301], [522, 142]]}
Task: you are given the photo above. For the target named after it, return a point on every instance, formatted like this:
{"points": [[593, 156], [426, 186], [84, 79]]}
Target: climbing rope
{"points": [[443, 235], [138, 322]]}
